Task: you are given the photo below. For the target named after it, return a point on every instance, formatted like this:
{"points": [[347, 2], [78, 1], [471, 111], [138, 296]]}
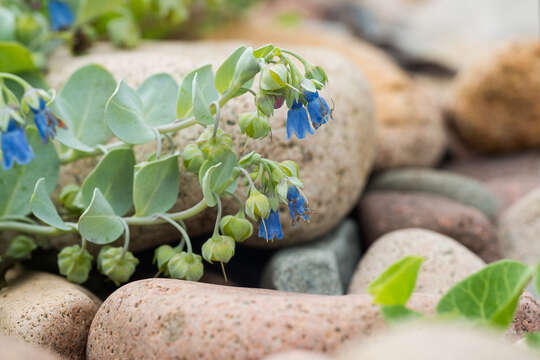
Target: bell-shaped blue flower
{"points": [[318, 109], [270, 227], [60, 15], [46, 122], [297, 205], [15, 147], [297, 121]]}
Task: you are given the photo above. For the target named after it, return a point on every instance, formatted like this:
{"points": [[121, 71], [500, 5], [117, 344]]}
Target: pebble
{"points": [[297, 355], [13, 349], [47, 310]]}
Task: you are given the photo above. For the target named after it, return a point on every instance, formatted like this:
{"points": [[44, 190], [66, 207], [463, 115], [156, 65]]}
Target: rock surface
{"points": [[460, 188], [519, 226], [47, 310], [495, 105], [381, 212], [446, 261], [13, 349], [323, 267], [427, 341], [410, 130], [297, 355], [448, 33], [333, 180], [165, 319]]}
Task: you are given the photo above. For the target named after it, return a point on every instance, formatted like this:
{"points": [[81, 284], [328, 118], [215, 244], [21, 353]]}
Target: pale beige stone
{"points": [[297, 355], [13, 349]]}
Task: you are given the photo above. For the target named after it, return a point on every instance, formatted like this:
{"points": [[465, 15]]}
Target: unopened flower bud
{"points": [[254, 125], [75, 263], [274, 77], [246, 68], [21, 247], [317, 73], [257, 205], [185, 266], [218, 248], [237, 227], [192, 157], [28, 26], [31, 98], [115, 265], [290, 168], [265, 104], [162, 255]]}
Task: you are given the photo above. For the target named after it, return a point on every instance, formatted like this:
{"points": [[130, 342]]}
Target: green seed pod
{"points": [[75, 263], [209, 147], [257, 205], [186, 266], [254, 125], [116, 267], [192, 157], [162, 255], [274, 77], [237, 227], [29, 26], [265, 104], [21, 247], [218, 248]]}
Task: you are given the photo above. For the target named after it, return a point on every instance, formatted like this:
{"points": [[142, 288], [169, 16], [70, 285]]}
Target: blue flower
{"points": [[15, 147], [297, 121], [60, 15], [318, 109], [270, 227], [46, 122], [297, 205]]}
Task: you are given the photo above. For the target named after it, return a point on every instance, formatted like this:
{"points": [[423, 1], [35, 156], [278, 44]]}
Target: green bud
{"points": [[265, 104], [192, 157], [246, 68], [116, 267], [162, 255], [21, 247], [237, 227], [274, 77], [29, 26], [67, 198], [249, 159], [317, 73], [209, 146], [257, 205], [254, 125], [186, 266], [218, 248], [290, 168], [75, 263], [123, 32]]}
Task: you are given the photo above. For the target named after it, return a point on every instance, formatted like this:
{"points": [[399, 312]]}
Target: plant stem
{"points": [[17, 79], [180, 229], [218, 217], [34, 229]]}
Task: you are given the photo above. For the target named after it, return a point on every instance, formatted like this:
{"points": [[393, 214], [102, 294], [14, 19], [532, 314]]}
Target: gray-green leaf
{"points": [[159, 94], [396, 284], [155, 189], [208, 193], [124, 113], [205, 81], [489, 295], [80, 105], [44, 209], [99, 224], [17, 184], [201, 108], [113, 176], [225, 73]]}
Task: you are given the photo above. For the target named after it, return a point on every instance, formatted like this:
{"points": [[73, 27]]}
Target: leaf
{"points": [[208, 193], [113, 176], [398, 313], [15, 58], [99, 224], [80, 105], [396, 284], [44, 209], [91, 9], [155, 189], [124, 113], [533, 340], [489, 295], [205, 81], [158, 94], [220, 177], [17, 184], [7, 25], [225, 73], [537, 278], [201, 107], [263, 51]]}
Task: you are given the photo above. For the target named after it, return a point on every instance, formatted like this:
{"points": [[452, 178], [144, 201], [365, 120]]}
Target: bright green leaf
{"points": [[155, 189], [396, 284], [533, 340], [113, 176], [80, 105], [489, 295], [124, 113], [201, 108], [205, 81], [225, 73], [159, 94], [398, 313], [208, 193], [99, 224], [15, 58], [44, 209], [17, 184], [263, 51]]}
